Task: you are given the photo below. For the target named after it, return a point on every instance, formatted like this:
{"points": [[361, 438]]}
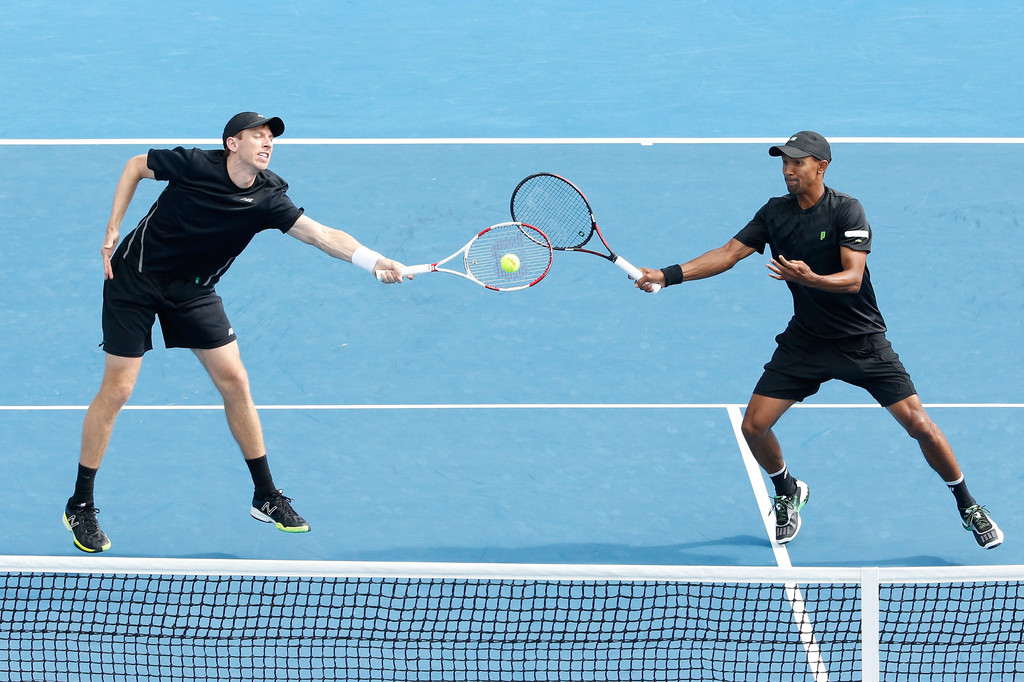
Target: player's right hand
{"points": [[389, 271], [650, 278], [109, 245]]}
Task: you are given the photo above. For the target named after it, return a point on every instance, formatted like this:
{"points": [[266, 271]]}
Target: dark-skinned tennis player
{"points": [[819, 240], [214, 203]]}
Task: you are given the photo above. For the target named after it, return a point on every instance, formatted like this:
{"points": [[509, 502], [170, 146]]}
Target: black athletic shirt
{"points": [[202, 221], [815, 236]]}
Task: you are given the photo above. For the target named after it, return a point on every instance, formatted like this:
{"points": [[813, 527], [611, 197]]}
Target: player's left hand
{"points": [[790, 270]]}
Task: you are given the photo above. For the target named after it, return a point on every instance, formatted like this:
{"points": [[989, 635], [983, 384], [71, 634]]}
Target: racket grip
{"points": [[408, 270], [633, 272]]}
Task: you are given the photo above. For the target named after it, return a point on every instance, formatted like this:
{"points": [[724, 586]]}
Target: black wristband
{"points": [[673, 275]]}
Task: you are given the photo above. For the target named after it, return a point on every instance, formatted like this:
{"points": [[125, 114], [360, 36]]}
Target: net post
{"points": [[869, 627]]}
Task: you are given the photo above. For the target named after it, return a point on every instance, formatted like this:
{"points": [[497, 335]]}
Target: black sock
{"points": [[259, 469], [84, 486], [964, 499], [785, 484]]}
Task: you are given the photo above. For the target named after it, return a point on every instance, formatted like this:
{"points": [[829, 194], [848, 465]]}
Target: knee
{"points": [[754, 429], [231, 382], [920, 427], [115, 393]]}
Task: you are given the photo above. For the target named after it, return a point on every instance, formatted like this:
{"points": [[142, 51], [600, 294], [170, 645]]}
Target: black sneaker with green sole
{"points": [[277, 509], [80, 519]]}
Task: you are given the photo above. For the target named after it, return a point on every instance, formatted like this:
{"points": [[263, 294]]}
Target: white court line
{"points": [[425, 406], [509, 406], [793, 594], [643, 141], [760, 489]]}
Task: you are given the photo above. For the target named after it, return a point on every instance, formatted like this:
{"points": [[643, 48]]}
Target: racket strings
{"points": [[483, 259], [556, 208]]}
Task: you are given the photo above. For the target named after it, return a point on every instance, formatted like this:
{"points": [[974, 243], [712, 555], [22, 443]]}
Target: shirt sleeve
{"points": [[755, 233], [281, 211], [169, 164], [854, 230]]}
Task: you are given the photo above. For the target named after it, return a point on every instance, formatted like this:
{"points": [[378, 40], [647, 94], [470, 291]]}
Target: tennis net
{"points": [[111, 619]]}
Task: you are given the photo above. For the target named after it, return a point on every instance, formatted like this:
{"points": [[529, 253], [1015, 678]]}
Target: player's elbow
{"points": [[851, 281], [138, 167], [723, 265]]}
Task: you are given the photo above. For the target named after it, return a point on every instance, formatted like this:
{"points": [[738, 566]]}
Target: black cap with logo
{"points": [[804, 143], [250, 119]]}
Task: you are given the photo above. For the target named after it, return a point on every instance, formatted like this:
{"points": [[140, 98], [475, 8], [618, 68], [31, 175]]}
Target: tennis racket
{"points": [[504, 257], [559, 208]]}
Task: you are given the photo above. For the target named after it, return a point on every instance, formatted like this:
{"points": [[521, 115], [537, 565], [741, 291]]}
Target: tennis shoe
{"points": [[787, 512], [277, 509], [80, 519], [977, 520]]}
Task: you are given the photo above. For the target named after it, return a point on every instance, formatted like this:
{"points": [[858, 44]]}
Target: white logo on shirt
{"points": [[245, 199]]}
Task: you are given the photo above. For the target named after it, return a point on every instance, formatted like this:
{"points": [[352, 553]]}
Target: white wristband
{"points": [[365, 258]]}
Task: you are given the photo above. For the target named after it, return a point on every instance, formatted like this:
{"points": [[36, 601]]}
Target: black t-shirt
{"points": [[815, 236], [202, 221]]}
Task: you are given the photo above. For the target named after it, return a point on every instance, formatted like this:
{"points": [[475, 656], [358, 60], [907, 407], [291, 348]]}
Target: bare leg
{"points": [[119, 376], [229, 376], [225, 367], [911, 415], [761, 415]]}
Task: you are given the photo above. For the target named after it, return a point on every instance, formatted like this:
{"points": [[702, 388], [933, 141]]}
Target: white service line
{"points": [[793, 594], [503, 406], [643, 141]]}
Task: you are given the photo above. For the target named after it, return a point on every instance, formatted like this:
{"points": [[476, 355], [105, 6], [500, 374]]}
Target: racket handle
{"points": [[633, 272], [407, 270]]}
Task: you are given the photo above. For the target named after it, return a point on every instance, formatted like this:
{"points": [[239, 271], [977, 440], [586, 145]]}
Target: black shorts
{"points": [[191, 315], [802, 363]]}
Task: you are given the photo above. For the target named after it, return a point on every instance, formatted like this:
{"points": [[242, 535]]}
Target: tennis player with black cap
{"points": [[819, 240], [215, 202]]}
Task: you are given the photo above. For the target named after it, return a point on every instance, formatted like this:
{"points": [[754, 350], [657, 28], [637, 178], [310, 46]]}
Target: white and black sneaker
{"points": [[276, 509], [787, 512], [977, 520]]}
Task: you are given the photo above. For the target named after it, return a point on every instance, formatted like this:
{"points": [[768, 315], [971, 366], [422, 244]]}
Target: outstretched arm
{"points": [[134, 171], [709, 264], [343, 246]]}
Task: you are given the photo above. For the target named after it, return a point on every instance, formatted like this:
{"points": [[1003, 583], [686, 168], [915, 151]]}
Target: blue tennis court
{"points": [[464, 483], [579, 421]]}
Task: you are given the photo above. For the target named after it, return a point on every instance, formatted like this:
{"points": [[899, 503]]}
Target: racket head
{"points": [[556, 207], [484, 253]]}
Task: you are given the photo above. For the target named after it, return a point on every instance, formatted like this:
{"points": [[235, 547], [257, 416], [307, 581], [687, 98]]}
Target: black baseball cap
{"points": [[250, 119], [804, 143]]}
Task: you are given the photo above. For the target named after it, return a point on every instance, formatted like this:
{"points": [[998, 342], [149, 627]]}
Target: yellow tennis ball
{"points": [[510, 262]]}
